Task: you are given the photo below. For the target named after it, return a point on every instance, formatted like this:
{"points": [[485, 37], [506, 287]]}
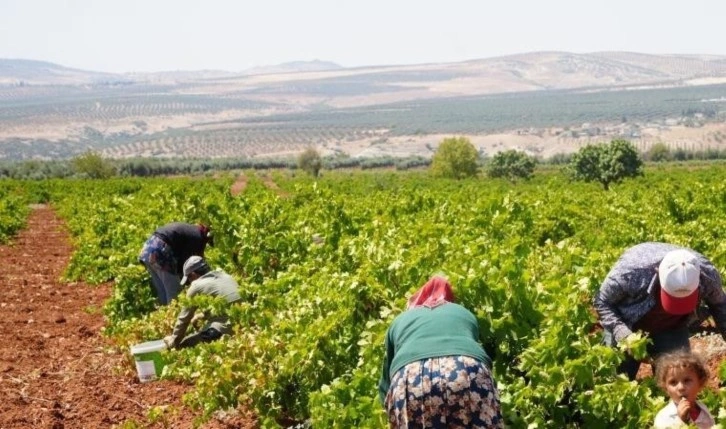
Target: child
{"points": [[682, 375]]}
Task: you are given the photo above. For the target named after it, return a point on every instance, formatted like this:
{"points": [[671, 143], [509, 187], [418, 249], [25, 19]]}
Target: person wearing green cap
{"points": [[203, 281]]}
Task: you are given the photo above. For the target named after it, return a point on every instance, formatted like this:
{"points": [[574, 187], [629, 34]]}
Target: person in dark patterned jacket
{"points": [[657, 288], [165, 252]]}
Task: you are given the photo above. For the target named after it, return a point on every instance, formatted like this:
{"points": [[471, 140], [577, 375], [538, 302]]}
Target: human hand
{"points": [[197, 321], [684, 409], [635, 345], [169, 341]]}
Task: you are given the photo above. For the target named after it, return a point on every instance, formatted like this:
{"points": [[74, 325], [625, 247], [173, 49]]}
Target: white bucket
{"points": [[149, 363]]}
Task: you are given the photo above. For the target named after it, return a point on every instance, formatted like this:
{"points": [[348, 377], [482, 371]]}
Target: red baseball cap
{"points": [[679, 273]]}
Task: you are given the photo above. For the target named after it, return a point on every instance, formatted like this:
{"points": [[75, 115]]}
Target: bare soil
{"points": [[239, 185], [270, 183], [56, 368], [541, 142], [712, 349]]}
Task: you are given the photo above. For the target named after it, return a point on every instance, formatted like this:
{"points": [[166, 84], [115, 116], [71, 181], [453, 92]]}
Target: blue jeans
{"points": [[159, 260], [663, 342], [166, 285]]}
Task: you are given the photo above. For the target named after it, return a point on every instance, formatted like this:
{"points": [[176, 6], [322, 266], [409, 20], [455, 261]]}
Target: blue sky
{"points": [[157, 35]]}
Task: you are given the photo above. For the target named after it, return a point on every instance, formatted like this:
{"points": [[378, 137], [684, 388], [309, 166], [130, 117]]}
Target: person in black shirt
{"points": [[164, 254]]}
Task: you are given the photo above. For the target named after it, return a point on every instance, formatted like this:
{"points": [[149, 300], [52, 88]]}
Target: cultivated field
{"points": [[545, 103], [324, 266]]}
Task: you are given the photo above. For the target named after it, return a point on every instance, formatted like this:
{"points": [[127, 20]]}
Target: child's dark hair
{"points": [[681, 359]]}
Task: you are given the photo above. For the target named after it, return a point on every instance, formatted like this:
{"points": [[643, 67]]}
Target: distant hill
{"points": [[548, 102], [294, 67], [563, 70], [513, 73], [31, 72], [204, 75]]}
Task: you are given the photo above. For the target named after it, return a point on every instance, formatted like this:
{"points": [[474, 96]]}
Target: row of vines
{"points": [[324, 266], [14, 209]]}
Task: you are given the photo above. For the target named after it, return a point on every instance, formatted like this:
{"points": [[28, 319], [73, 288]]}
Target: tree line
{"points": [[455, 157]]}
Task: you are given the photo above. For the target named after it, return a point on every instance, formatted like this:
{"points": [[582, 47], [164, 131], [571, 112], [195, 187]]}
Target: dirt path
{"points": [[239, 185], [56, 369], [270, 183]]}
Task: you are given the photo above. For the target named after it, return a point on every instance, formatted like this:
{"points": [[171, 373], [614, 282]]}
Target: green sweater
{"points": [[422, 333], [214, 283]]}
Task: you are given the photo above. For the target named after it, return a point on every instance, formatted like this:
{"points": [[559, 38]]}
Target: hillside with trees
{"points": [[543, 103]]}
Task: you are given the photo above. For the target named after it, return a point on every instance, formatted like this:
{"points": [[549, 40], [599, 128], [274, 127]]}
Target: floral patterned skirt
{"points": [[158, 255], [444, 392]]}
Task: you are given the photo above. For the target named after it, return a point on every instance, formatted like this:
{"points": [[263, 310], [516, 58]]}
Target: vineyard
{"points": [[13, 211], [324, 266]]}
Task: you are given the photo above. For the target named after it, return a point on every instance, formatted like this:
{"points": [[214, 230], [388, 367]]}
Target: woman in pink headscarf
{"points": [[436, 374]]}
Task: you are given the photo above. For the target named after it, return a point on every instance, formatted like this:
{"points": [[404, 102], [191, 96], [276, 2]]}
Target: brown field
{"points": [[57, 370]]}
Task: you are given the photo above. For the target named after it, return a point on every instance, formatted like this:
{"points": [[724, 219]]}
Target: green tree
{"points": [[92, 165], [456, 158], [680, 154], [310, 161], [606, 163], [659, 152], [512, 165]]}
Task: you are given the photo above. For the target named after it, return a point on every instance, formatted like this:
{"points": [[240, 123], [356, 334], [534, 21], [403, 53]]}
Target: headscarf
{"points": [[435, 292]]}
